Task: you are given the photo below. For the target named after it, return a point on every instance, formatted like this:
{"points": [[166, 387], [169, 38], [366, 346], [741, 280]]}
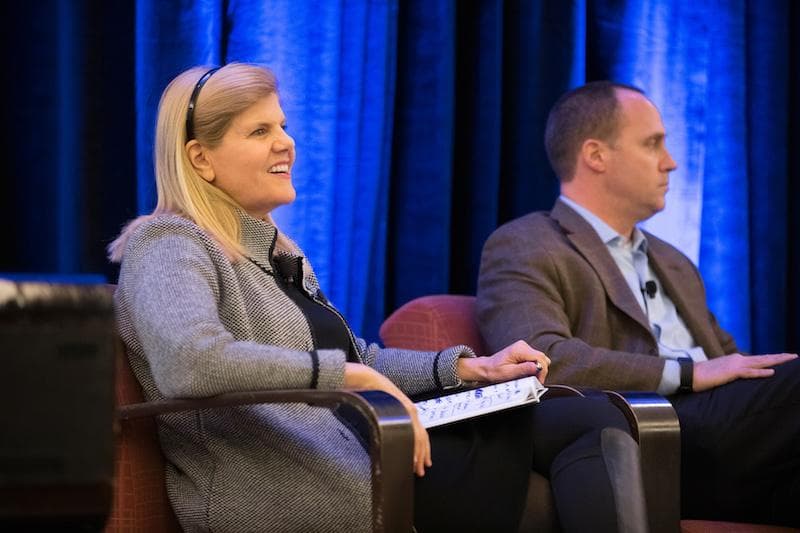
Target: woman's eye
{"points": [[285, 127], [259, 131]]}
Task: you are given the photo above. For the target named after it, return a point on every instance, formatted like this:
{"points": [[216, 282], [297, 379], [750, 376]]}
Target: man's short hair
{"points": [[588, 112]]}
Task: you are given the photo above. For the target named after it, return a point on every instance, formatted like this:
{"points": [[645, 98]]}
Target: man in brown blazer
{"points": [[616, 307]]}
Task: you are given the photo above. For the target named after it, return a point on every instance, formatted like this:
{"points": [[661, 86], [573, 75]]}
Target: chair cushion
{"points": [[432, 323]]}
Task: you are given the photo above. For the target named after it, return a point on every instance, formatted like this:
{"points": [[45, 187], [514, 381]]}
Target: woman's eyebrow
{"points": [[267, 125]]}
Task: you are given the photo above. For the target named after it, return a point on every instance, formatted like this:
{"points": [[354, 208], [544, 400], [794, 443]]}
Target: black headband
{"points": [[193, 102]]}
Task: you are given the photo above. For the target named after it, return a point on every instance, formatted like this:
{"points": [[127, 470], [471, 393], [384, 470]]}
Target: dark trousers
{"points": [[479, 477], [740, 456]]}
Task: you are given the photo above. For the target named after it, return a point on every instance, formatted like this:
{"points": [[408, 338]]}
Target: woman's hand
{"points": [[362, 377], [515, 361]]}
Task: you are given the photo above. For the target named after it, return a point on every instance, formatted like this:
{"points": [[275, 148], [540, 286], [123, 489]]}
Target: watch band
{"points": [[687, 375]]}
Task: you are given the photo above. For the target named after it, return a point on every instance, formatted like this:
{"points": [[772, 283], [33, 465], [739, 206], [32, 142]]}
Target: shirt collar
{"points": [[258, 238], [607, 234]]}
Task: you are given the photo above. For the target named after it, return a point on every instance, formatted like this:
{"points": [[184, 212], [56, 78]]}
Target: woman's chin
{"points": [[284, 199], [290, 197]]}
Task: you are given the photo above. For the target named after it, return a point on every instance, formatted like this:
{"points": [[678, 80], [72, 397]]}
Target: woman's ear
{"points": [[198, 157]]}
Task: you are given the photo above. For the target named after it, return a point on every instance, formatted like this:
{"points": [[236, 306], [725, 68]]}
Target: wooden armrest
{"points": [[654, 424], [391, 439]]}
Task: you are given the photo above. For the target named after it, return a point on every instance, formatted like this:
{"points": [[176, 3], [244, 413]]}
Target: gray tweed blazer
{"points": [[547, 278], [196, 324]]}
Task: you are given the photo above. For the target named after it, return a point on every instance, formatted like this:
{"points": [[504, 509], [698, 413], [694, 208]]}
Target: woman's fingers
{"points": [[360, 376], [516, 361], [363, 377], [543, 369], [422, 448]]}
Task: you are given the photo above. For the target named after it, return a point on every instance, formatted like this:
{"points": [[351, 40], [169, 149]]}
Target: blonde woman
{"points": [[212, 298]]}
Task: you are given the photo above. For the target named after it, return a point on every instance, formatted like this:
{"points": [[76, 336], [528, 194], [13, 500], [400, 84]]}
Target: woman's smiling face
{"points": [[253, 163]]}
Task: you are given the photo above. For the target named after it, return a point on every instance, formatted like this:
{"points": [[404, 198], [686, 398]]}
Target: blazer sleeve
{"points": [[168, 304], [416, 372], [522, 294]]}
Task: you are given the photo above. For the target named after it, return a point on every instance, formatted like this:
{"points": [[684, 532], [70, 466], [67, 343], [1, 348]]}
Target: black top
{"points": [[328, 329]]}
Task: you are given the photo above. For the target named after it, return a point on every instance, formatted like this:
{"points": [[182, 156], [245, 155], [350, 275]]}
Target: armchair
{"points": [[437, 321], [140, 499]]}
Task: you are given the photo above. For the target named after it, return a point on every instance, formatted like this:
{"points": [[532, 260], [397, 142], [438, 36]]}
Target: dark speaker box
{"points": [[56, 406]]}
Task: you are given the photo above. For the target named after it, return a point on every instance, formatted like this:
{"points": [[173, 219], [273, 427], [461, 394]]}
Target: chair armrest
{"points": [[654, 424], [391, 440], [561, 391]]}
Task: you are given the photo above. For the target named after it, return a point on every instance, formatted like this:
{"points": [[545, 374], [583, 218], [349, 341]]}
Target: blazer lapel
{"points": [[588, 244], [690, 303]]}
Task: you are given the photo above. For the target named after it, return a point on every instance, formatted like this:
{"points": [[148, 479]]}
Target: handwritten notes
{"points": [[475, 402]]}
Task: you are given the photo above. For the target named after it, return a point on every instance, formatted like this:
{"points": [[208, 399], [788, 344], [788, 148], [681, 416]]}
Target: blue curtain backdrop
{"points": [[419, 129]]}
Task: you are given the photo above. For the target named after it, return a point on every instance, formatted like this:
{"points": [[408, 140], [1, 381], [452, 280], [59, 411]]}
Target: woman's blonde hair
{"points": [[181, 190]]}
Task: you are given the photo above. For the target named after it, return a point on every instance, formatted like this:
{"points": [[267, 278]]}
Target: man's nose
{"points": [[668, 164]]}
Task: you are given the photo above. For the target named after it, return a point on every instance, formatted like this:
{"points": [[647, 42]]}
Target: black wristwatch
{"points": [[687, 375]]}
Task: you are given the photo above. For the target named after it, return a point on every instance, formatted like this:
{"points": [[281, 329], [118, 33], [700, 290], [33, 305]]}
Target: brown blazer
{"points": [[547, 278]]}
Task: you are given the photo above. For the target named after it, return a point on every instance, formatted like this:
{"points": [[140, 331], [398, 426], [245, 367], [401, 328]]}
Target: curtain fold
{"points": [[791, 268], [725, 247], [767, 168], [422, 154], [477, 137], [70, 120]]}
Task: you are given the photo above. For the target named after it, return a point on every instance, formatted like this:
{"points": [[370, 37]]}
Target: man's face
{"points": [[638, 165]]}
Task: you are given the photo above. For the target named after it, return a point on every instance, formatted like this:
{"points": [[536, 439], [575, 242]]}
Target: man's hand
{"points": [[722, 370], [515, 361], [362, 377]]}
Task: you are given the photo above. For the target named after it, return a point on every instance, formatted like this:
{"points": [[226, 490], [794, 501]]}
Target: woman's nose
{"points": [[283, 142]]}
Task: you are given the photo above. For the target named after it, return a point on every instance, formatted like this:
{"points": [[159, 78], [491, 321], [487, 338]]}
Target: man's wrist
{"points": [[687, 375]]}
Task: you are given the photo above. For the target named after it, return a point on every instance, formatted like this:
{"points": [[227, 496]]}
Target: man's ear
{"points": [[198, 157], [594, 154]]}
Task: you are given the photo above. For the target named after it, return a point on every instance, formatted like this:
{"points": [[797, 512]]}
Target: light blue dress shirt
{"points": [[630, 255]]}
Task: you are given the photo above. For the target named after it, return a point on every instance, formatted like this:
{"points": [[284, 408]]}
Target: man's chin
{"points": [[652, 210], [659, 205]]}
